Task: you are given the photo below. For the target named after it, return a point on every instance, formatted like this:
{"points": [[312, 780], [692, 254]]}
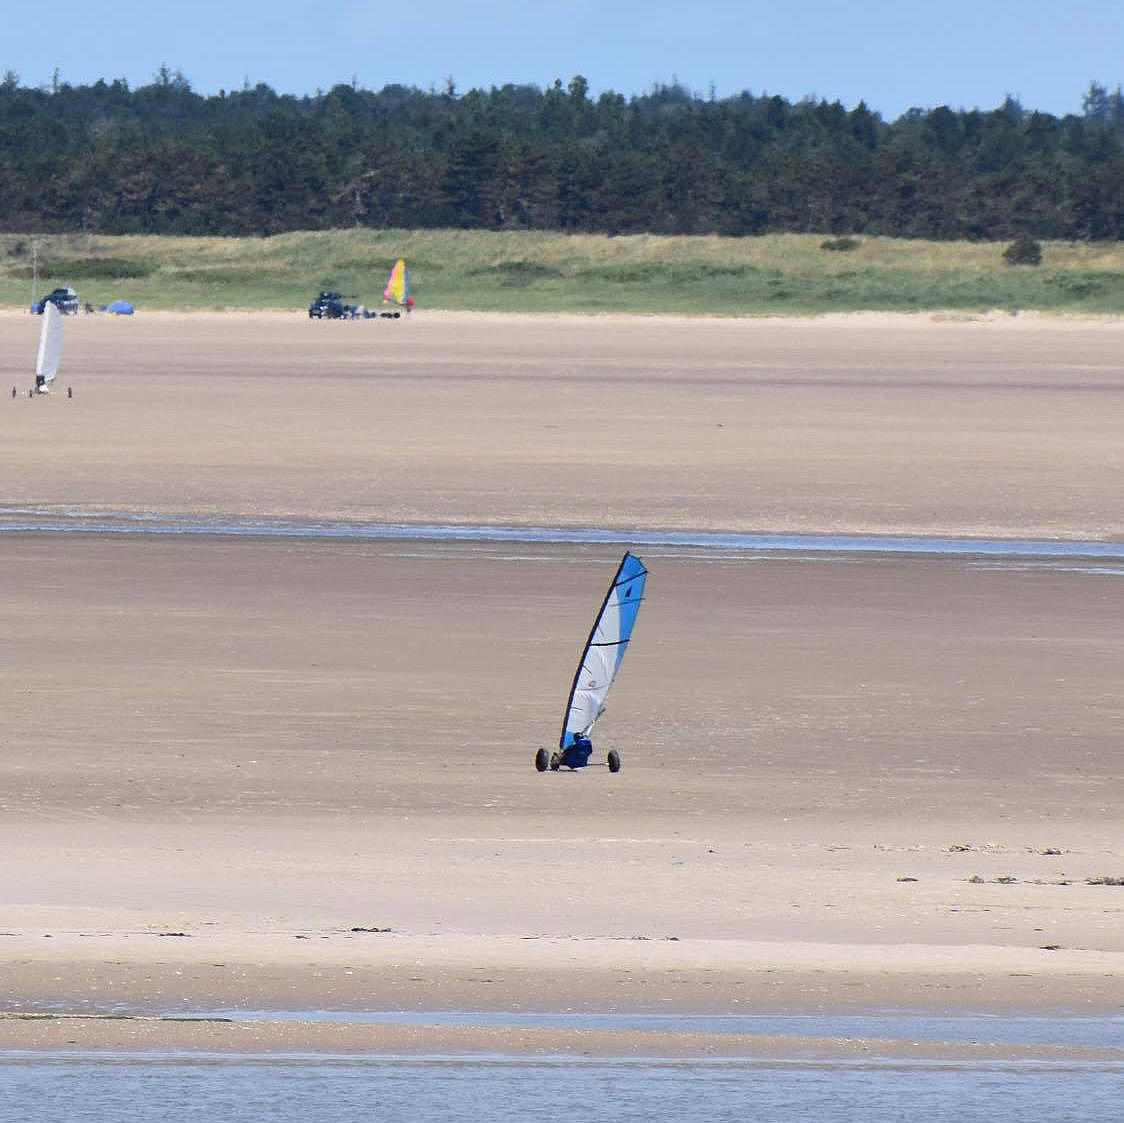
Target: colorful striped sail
{"points": [[397, 289]]}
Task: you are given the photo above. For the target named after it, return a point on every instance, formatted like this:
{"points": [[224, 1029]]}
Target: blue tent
{"points": [[120, 308]]}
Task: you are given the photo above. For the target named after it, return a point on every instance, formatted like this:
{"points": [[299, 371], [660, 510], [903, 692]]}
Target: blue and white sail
{"points": [[604, 650]]}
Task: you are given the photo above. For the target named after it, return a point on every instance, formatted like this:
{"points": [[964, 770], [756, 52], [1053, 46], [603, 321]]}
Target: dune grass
{"points": [[547, 272]]}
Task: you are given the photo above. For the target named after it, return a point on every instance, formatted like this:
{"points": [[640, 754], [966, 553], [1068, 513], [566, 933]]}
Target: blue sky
{"points": [[893, 53]]}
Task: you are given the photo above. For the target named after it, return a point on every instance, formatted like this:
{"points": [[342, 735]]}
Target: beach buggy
{"points": [[600, 661]]}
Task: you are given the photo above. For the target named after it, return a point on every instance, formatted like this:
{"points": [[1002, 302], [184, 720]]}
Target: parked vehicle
{"points": [[327, 306], [65, 300]]}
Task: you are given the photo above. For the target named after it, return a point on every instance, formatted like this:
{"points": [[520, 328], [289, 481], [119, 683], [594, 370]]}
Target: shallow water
{"points": [[14, 519], [302, 1088]]}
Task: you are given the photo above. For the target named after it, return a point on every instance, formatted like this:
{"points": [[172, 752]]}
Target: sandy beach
{"points": [[1005, 426], [294, 775]]}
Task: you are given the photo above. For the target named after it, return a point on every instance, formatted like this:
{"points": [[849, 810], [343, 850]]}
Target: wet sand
{"points": [[259, 1037], [1006, 427], [221, 757]]}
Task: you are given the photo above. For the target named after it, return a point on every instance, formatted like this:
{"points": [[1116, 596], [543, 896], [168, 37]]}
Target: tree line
{"points": [[161, 158]]}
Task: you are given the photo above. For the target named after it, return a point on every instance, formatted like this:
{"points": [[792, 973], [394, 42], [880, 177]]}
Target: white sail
{"points": [[50, 346]]}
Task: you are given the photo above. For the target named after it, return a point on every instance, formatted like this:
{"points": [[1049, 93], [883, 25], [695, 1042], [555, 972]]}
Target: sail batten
{"points": [[604, 649]]}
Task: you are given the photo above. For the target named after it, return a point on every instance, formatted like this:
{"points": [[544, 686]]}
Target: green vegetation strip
{"points": [[794, 274]]}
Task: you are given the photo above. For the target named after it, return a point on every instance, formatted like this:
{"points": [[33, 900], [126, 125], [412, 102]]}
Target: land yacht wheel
{"points": [[542, 760], [614, 761]]}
